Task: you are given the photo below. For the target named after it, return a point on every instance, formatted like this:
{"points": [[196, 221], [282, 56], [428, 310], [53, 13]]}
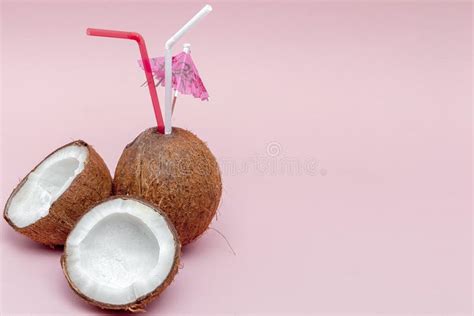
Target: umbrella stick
{"points": [[187, 50], [174, 102]]}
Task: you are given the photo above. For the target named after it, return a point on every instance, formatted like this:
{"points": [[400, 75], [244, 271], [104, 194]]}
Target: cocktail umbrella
{"points": [[185, 76]]}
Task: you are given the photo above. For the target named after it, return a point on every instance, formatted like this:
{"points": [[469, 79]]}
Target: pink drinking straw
{"points": [[146, 65]]}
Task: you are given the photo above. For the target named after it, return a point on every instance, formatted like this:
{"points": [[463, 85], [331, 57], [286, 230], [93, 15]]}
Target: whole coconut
{"points": [[178, 173]]}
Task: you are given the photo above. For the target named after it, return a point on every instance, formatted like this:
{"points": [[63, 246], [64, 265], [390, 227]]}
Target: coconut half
{"points": [[121, 254], [51, 198]]}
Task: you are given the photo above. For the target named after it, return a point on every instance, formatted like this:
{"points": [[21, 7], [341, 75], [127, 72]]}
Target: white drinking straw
{"points": [[168, 47]]}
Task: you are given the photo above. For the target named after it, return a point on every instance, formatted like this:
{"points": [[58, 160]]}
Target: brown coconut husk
{"points": [[93, 184], [140, 304], [178, 173]]}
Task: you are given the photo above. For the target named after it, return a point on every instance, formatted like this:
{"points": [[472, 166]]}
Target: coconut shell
{"points": [[141, 302], [178, 173], [93, 184]]}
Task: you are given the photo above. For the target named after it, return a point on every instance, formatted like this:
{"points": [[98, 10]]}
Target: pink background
{"points": [[369, 104]]}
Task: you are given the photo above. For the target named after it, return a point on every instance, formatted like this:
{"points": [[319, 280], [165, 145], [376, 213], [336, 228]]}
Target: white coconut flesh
{"points": [[119, 251], [46, 184]]}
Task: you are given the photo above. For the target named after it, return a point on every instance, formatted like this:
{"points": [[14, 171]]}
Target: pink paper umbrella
{"points": [[185, 77]]}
